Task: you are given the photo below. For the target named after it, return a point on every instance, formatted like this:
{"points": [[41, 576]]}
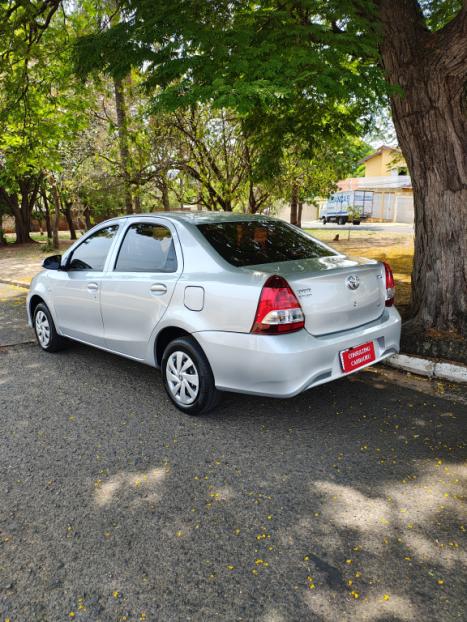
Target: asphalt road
{"points": [[344, 503]]}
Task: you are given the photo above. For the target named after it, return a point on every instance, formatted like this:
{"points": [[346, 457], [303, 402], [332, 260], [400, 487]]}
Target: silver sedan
{"points": [[219, 302]]}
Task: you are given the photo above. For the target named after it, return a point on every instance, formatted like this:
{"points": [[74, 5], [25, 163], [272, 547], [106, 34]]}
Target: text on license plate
{"points": [[353, 358]]}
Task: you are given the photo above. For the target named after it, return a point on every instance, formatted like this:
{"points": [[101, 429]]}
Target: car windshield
{"points": [[251, 242]]}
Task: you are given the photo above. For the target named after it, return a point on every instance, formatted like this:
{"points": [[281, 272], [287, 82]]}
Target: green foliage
{"points": [[42, 104]]}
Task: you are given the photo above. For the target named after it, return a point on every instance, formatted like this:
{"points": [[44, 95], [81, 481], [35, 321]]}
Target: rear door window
{"points": [[92, 253], [147, 247], [247, 243]]}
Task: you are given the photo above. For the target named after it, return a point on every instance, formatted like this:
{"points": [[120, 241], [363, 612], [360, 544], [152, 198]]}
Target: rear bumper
{"points": [[285, 365]]}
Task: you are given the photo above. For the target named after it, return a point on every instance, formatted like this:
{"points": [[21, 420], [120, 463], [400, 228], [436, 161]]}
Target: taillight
{"points": [[278, 309], [390, 285]]}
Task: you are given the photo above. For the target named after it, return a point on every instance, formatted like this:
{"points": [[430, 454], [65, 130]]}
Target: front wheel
{"points": [[46, 333], [324, 220], [188, 378], [342, 220]]}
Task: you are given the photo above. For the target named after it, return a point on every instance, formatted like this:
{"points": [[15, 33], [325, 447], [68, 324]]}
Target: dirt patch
{"points": [[21, 263]]}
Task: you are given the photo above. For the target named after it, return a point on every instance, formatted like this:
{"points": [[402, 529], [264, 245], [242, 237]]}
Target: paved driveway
{"points": [[344, 503]]}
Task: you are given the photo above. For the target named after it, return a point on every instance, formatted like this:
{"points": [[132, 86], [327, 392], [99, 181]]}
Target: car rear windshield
{"points": [[247, 243]]}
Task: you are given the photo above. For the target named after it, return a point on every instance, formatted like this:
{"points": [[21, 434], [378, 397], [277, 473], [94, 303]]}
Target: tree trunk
{"points": [[252, 205], [3, 241], [48, 224], [69, 219], [22, 226], [122, 124], [87, 217], [57, 206], [431, 126], [165, 195], [294, 205], [21, 209]]}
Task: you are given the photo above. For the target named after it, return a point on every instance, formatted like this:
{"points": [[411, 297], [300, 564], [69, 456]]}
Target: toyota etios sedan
{"points": [[218, 301]]}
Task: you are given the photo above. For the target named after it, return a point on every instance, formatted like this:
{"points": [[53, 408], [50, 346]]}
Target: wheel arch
{"points": [[164, 337], [34, 301]]}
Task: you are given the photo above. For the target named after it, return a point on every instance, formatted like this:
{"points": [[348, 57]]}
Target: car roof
{"points": [[195, 218]]}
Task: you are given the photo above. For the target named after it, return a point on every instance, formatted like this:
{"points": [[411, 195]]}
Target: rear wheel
{"points": [[188, 378], [356, 222], [46, 333]]}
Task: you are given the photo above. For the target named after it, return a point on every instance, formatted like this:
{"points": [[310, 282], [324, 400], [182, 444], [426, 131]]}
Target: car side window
{"points": [[147, 247], [92, 253]]}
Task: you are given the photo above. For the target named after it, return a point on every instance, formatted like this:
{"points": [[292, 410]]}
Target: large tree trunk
{"points": [[431, 124], [22, 207], [22, 226], [122, 123]]}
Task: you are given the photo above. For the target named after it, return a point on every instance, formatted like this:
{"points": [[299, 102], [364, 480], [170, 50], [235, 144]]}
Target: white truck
{"points": [[347, 206]]}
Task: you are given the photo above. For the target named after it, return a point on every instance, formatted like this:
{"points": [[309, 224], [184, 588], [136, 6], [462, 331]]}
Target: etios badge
{"points": [[352, 281]]}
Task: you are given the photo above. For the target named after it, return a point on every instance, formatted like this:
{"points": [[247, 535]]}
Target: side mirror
{"points": [[52, 263]]}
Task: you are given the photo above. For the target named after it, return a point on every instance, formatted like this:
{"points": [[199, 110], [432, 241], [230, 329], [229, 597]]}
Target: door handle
{"points": [[158, 288], [93, 287]]}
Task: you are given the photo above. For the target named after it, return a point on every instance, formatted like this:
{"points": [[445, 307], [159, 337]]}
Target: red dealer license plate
{"points": [[353, 358]]}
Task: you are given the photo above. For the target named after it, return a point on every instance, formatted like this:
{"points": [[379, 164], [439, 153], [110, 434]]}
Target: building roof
{"points": [[378, 152]]}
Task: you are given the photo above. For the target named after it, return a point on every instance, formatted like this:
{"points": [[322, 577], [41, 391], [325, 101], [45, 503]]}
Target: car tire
{"points": [[46, 333], [356, 222], [324, 221], [341, 220], [182, 358]]}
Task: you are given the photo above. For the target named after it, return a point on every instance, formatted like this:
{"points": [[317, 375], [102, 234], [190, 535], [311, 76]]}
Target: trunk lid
{"points": [[336, 293]]}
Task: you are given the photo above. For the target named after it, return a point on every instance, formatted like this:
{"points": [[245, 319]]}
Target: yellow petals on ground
{"points": [[179, 533], [348, 561], [355, 594], [440, 582], [230, 567], [386, 597], [72, 614]]}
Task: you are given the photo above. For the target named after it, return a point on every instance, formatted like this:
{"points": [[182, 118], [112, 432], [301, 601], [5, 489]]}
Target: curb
{"points": [[15, 283], [424, 367]]}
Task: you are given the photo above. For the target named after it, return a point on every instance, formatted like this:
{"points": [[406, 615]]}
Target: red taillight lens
{"points": [[278, 310], [390, 285]]}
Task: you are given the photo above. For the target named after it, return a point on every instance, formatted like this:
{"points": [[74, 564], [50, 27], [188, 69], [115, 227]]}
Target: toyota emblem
{"points": [[352, 281]]}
